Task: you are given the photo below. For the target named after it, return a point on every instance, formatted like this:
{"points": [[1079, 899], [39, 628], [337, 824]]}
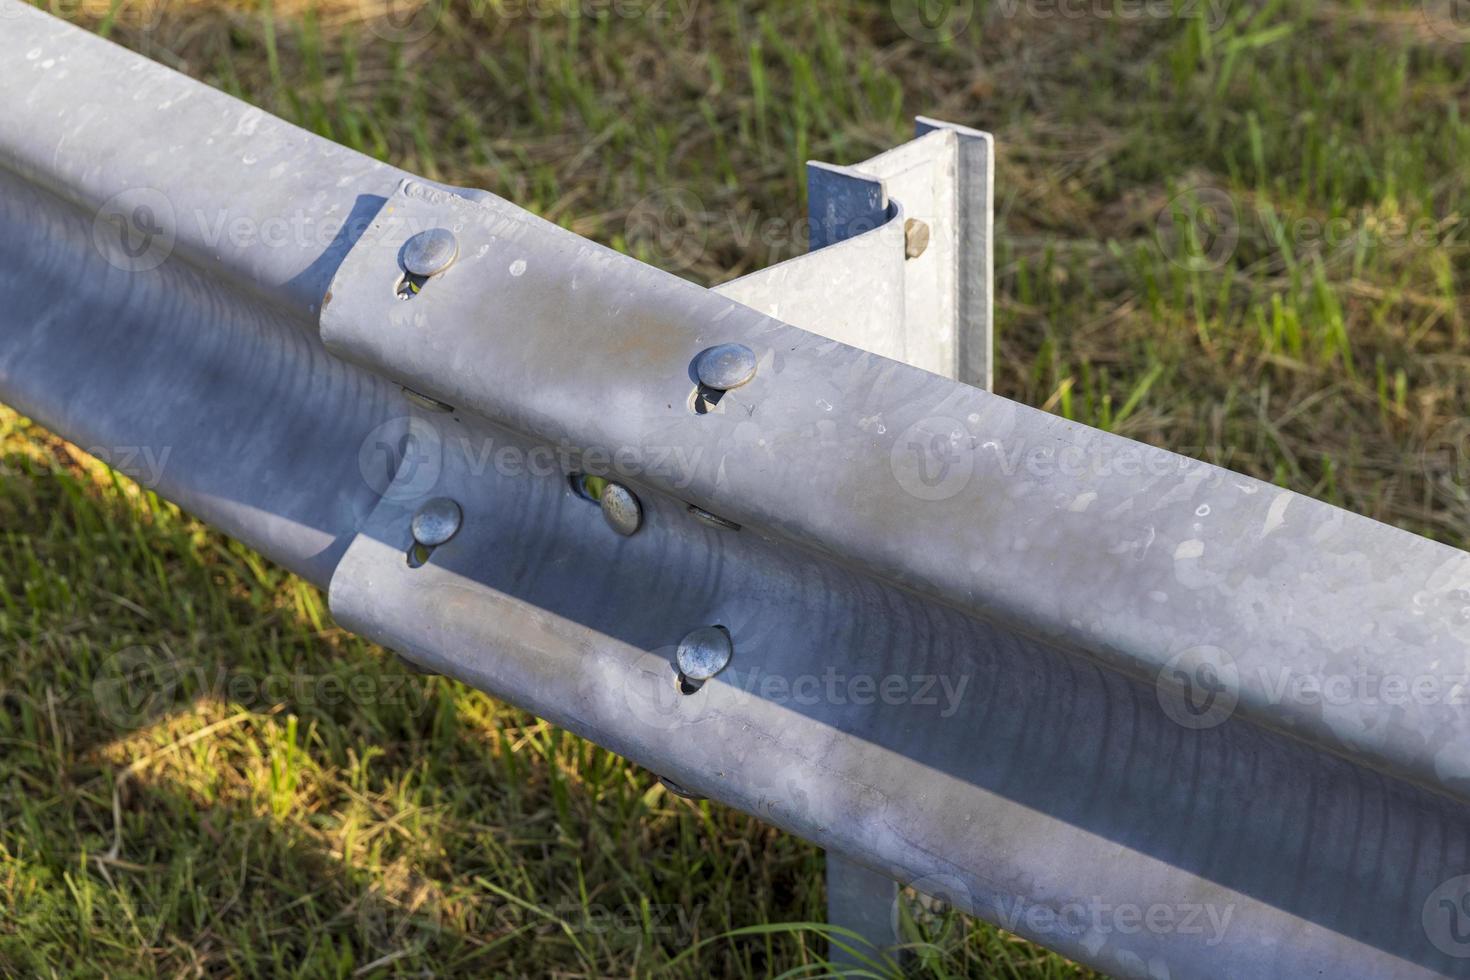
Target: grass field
{"points": [[1313, 332]]}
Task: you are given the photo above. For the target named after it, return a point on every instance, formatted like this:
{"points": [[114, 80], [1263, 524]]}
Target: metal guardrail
{"points": [[1106, 696]]}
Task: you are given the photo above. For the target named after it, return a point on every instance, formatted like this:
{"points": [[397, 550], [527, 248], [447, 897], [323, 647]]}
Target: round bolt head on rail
{"points": [[621, 509], [430, 252], [725, 366], [436, 522], [704, 653]]}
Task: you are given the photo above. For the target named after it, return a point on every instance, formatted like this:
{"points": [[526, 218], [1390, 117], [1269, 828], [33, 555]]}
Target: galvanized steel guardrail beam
{"points": [[1073, 684]]}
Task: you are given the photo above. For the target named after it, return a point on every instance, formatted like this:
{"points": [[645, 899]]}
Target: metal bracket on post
{"points": [[900, 259], [901, 264]]}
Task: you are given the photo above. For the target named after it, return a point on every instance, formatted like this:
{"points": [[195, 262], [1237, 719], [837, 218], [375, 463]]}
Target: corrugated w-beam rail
{"points": [[1126, 704]]}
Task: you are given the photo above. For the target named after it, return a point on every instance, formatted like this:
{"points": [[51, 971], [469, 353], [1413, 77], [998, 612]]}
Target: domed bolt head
{"points": [[430, 252], [725, 366], [436, 522], [704, 653], [621, 509]]}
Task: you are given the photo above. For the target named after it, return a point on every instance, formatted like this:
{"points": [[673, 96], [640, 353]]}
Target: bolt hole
{"points": [[678, 790], [688, 685], [409, 285], [703, 400], [588, 487], [418, 555]]}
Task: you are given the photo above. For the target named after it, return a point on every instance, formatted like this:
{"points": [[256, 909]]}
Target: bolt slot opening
{"points": [[678, 790], [418, 555], [712, 520], [409, 285], [686, 684], [589, 488], [704, 400]]}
